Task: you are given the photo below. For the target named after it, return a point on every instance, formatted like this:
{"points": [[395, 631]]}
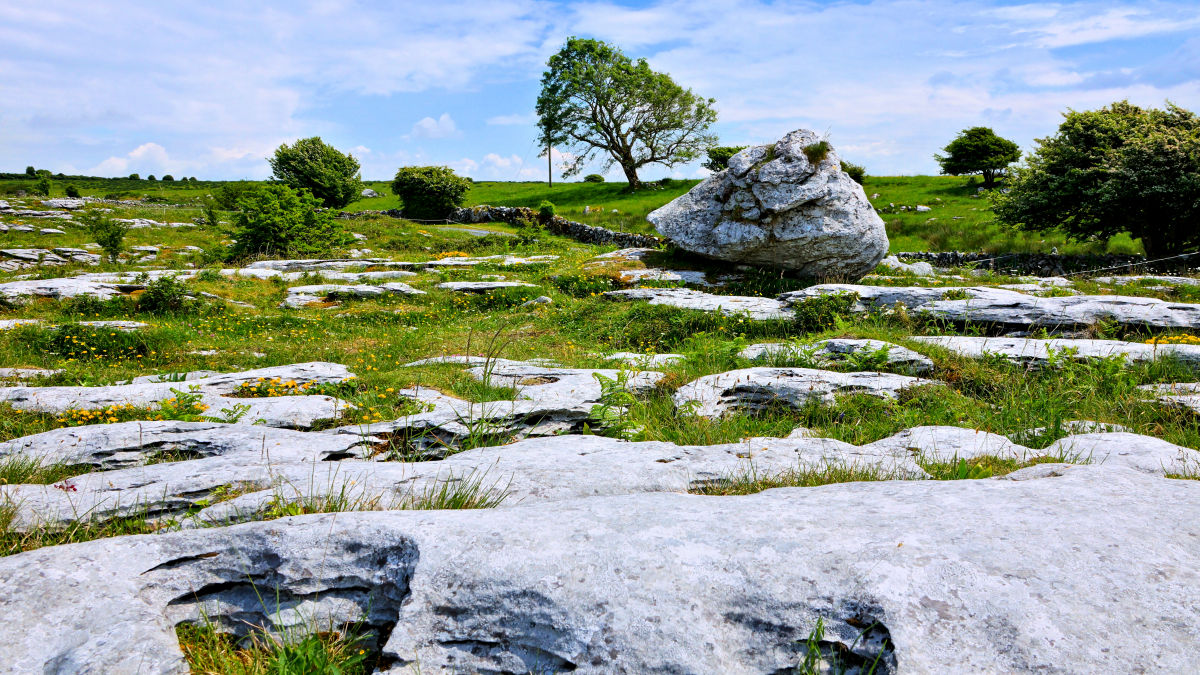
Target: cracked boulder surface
{"points": [[215, 392], [842, 350], [686, 298], [785, 205], [1047, 566], [1038, 352], [754, 389]]}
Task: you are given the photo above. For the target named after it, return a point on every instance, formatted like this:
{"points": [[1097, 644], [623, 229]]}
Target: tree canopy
{"points": [[595, 100], [1118, 169], [313, 165], [978, 150]]}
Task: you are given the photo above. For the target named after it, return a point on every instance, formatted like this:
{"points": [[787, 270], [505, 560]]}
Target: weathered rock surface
{"points": [[1094, 563], [1001, 306], [1039, 352], [64, 203], [1144, 278], [686, 298], [280, 411], [543, 383], [57, 289], [752, 389], [302, 296], [920, 268], [369, 193], [482, 286], [774, 206], [644, 360], [1186, 395], [841, 350], [9, 374]]}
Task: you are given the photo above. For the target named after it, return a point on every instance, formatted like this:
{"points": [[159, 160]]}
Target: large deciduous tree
{"points": [[595, 100], [1118, 169], [978, 150], [311, 164]]}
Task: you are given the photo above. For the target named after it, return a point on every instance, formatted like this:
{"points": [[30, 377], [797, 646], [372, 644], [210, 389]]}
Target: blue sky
{"points": [[210, 89]]}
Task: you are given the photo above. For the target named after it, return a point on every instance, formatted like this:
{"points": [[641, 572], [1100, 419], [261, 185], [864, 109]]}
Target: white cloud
{"points": [[442, 127], [516, 119]]}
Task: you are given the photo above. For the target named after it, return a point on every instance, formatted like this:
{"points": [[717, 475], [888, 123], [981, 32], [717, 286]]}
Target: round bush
{"points": [[429, 192], [275, 219], [320, 168], [593, 178], [71, 191]]}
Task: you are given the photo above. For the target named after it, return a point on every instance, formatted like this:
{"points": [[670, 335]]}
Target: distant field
{"points": [[959, 219]]}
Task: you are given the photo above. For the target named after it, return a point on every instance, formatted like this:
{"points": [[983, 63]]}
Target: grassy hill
{"points": [[959, 219]]}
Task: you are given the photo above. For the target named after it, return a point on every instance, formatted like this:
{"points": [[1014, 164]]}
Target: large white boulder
{"points": [[773, 206]]}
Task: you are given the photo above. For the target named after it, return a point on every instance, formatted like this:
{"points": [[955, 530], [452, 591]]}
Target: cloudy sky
{"points": [[211, 88]]}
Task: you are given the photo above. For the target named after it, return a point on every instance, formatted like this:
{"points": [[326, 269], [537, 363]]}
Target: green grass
{"points": [[211, 652]]}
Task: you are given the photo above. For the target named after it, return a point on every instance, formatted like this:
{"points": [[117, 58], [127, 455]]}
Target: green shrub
{"points": [[134, 176], [30, 171], [275, 219], [718, 157], [165, 295], [311, 164], [168, 178], [41, 187], [72, 191], [229, 194], [545, 211], [107, 232], [824, 311], [151, 177], [857, 172], [429, 192], [208, 209], [593, 178]]}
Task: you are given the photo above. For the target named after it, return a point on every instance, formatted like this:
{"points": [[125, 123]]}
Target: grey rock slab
{"points": [[686, 298], [463, 360], [752, 389], [1185, 395], [1142, 278], [1145, 454], [1065, 568], [773, 206], [482, 286], [1074, 427], [543, 383], [51, 230], [281, 411], [302, 296], [8, 374], [1001, 306], [33, 256], [1038, 352], [9, 324], [69, 204], [840, 350], [921, 269], [57, 289], [645, 360], [124, 326], [129, 444]]}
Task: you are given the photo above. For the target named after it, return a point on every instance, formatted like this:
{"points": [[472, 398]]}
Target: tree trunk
{"points": [[631, 176], [989, 178]]}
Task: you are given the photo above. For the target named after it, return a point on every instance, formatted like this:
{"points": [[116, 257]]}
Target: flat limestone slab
{"points": [[57, 289], [686, 298], [840, 350], [1080, 567], [280, 411], [1038, 352], [482, 286], [751, 389], [984, 304]]}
